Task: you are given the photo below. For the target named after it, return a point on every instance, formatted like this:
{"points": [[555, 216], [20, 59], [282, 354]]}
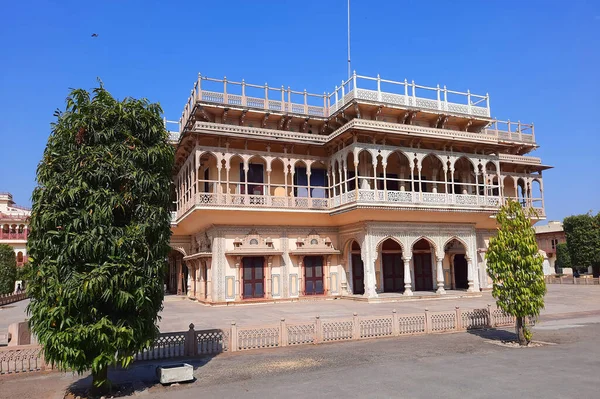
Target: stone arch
{"points": [[457, 260], [379, 244], [461, 241], [391, 264], [207, 164], [278, 177], [432, 173], [536, 191], [179, 249], [431, 241]]}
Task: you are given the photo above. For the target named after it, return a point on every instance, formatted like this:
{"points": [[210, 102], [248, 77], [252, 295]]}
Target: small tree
{"points": [[100, 229], [8, 269], [563, 259], [516, 268]]}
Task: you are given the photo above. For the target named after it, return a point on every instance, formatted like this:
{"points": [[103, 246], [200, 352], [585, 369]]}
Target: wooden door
{"points": [[393, 272], [423, 276], [460, 272], [313, 275], [254, 278], [358, 277]]}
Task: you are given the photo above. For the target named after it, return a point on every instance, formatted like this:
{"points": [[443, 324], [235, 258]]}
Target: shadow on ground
{"points": [[494, 334], [140, 376]]}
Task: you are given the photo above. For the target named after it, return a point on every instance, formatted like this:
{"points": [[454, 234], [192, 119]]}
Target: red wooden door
{"points": [[393, 273], [254, 278], [423, 276], [358, 278], [313, 275]]}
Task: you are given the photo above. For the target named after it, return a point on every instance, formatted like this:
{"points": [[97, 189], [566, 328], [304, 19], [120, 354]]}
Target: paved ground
{"points": [[178, 313], [450, 366]]}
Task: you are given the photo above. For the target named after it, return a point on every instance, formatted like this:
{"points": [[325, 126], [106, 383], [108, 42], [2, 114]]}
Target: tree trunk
{"points": [[520, 327], [100, 382]]}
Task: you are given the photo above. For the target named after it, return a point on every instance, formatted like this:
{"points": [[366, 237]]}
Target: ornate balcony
{"points": [[13, 235], [361, 197]]}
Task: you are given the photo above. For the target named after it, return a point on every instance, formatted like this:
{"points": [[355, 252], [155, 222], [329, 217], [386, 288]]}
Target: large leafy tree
{"points": [[8, 269], [516, 268], [100, 228], [583, 239]]}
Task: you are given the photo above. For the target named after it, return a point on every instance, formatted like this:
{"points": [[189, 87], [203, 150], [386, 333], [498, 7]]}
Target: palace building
{"points": [[378, 187], [14, 226]]}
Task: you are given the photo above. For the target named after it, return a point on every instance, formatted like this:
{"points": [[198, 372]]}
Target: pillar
{"points": [[407, 280], [470, 275], [179, 277], [208, 281], [301, 289], [440, 276], [239, 283], [269, 260]]}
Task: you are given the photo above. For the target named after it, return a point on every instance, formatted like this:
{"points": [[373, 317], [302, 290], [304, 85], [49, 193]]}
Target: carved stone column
{"points": [[440, 276], [326, 281], [239, 281], [179, 278], [470, 275], [407, 279], [209, 287], [201, 281], [302, 287]]}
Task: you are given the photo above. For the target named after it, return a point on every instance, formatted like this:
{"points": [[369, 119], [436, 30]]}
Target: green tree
{"points": [[8, 269], [100, 229], [516, 268], [563, 259], [583, 239]]}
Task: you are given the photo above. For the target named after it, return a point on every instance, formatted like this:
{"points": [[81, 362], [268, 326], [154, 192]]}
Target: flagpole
{"points": [[349, 69]]}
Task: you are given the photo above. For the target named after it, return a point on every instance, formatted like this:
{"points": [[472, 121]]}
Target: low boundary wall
{"points": [[10, 298], [569, 279], [191, 343]]}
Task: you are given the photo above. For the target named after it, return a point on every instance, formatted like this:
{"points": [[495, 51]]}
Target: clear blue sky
{"points": [[539, 60]]}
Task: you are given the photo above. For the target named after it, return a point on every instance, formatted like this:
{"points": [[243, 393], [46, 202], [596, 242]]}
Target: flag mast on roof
{"points": [[349, 69]]}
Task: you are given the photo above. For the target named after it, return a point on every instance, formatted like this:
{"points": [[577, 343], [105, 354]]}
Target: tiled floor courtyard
{"points": [[179, 313]]}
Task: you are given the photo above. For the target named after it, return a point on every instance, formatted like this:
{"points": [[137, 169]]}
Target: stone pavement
{"points": [[179, 313], [450, 366]]}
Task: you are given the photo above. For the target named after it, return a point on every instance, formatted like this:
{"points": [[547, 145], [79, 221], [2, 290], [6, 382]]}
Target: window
{"points": [[554, 243]]}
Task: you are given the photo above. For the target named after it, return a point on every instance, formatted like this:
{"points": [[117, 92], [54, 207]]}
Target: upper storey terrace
{"points": [[439, 109]]}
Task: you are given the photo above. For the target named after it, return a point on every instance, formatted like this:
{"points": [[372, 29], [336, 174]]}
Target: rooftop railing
{"points": [[280, 99]]}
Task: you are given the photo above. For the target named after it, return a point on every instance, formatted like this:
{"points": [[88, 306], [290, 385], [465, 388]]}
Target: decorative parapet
{"points": [[357, 87]]}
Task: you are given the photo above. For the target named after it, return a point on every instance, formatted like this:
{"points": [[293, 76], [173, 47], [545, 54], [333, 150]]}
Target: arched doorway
{"points": [[460, 272], [392, 266], [175, 260], [358, 271], [422, 265], [456, 253]]}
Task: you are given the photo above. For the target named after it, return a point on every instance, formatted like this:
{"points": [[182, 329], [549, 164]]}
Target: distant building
{"points": [[377, 187], [548, 237], [14, 223]]}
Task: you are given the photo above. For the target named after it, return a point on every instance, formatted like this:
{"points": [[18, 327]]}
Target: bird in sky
{"points": [[94, 35]]}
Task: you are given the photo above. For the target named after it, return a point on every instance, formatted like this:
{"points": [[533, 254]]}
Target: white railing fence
{"points": [[191, 343]]}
